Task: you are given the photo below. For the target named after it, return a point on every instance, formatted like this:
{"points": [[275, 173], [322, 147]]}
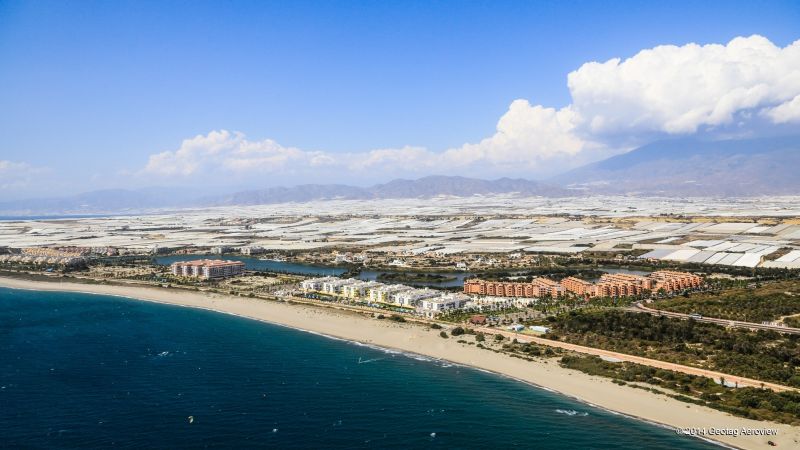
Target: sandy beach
{"points": [[421, 340]]}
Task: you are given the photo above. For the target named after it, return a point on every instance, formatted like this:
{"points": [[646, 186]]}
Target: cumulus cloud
{"points": [[526, 136], [683, 90], [740, 87], [787, 112], [231, 152]]}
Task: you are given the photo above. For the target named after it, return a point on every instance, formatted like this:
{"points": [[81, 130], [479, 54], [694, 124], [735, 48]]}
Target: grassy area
{"points": [[413, 277], [752, 403], [792, 321], [762, 355], [765, 302]]}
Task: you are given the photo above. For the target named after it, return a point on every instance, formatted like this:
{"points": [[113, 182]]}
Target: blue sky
{"points": [[90, 91]]}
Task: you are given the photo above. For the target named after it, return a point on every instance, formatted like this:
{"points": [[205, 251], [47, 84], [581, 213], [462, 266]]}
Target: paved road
{"points": [[739, 381], [724, 322]]}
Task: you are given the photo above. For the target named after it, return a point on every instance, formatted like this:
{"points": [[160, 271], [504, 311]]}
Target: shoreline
{"points": [[414, 339]]}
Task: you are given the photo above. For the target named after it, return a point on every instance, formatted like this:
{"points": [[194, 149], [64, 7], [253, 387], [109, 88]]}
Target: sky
{"points": [[238, 94]]}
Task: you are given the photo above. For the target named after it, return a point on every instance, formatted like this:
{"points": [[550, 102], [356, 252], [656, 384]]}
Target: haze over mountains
{"points": [[692, 167], [680, 167]]}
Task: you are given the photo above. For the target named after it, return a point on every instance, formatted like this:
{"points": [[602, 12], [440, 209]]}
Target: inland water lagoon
{"points": [[89, 371]]}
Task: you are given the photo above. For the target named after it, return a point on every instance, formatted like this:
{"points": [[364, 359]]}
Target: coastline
{"points": [[410, 338]]}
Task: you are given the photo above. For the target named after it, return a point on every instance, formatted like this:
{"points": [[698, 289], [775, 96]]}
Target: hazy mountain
{"points": [[103, 201], [422, 188], [461, 186], [695, 167], [689, 167], [301, 193], [119, 200]]}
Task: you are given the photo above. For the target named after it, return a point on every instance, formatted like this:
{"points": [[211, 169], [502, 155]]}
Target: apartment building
{"points": [[623, 285], [538, 287], [413, 297], [360, 289], [671, 281], [206, 269], [431, 307], [383, 294]]}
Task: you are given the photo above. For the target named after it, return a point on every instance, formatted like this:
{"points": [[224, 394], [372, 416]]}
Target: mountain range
{"points": [[692, 167], [677, 167]]}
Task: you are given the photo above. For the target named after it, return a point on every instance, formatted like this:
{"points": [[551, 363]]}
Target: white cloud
{"points": [[526, 136], [683, 90], [788, 112], [737, 88], [19, 175], [231, 152]]}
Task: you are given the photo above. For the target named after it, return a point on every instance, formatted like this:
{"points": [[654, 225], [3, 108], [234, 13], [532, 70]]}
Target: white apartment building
{"points": [[360, 289], [252, 250], [334, 286], [436, 305], [315, 284], [412, 298], [383, 294]]}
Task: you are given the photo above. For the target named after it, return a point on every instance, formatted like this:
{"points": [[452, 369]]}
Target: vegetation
{"points": [[457, 331], [443, 334], [413, 277], [752, 403], [792, 321], [397, 318], [762, 355], [554, 272], [436, 326], [753, 303], [462, 315]]}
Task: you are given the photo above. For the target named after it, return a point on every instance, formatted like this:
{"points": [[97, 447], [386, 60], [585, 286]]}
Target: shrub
{"points": [[457, 331], [436, 326], [498, 337], [443, 334], [480, 337], [397, 318]]}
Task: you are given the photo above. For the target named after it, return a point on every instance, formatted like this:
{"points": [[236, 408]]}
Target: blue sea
{"points": [[87, 371]]}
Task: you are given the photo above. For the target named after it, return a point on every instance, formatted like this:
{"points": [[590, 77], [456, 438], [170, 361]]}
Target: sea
{"points": [[90, 371]]}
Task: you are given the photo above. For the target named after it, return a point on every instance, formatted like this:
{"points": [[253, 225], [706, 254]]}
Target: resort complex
{"points": [[609, 285], [426, 301], [538, 287], [206, 269]]}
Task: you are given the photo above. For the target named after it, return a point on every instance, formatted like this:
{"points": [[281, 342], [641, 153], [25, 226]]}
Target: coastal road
{"points": [[739, 381], [724, 322]]}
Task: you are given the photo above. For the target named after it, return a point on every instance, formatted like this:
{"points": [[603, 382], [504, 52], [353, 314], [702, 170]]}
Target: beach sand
{"points": [[421, 340]]}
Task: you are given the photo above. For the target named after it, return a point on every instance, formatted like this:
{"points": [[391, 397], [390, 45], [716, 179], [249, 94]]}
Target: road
{"points": [[739, 381], [724, 322]]}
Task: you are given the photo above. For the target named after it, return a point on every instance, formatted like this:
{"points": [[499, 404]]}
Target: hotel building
{"points": [[623, 285], [538, 287], [206, 269], [671, 281]]}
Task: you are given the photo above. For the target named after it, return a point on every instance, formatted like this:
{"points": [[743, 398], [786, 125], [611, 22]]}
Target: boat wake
{"points": [[365, 361], [572, 412]]}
